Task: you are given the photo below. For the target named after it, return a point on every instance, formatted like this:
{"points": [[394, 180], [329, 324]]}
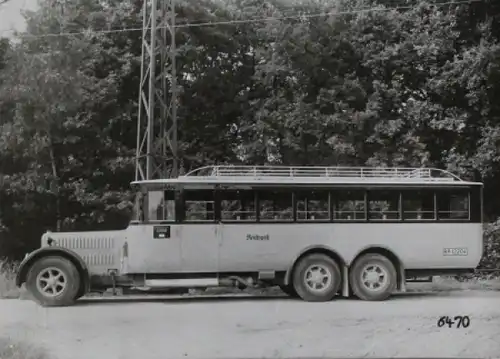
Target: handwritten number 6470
{"points": [[459, 321]]}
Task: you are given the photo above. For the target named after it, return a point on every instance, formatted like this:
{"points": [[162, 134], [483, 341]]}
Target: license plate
{"points": [[455, 251]]}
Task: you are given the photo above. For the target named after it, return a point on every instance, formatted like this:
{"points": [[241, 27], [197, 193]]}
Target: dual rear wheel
{"points": [[318, 278]]}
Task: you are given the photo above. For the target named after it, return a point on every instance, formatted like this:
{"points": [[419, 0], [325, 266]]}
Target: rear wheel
{"points": [[317, 278], [373, 277], [53, 281]]}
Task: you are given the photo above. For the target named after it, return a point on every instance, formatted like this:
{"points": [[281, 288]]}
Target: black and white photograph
{"points": [[249, 179]]}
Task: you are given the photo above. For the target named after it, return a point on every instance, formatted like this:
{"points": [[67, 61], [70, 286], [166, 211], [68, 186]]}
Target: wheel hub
{"points": [[374, 277], [371, 277], [51, 282], [318, 278]]}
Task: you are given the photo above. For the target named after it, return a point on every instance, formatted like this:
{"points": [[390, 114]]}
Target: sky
{"points": [[10, 15]]}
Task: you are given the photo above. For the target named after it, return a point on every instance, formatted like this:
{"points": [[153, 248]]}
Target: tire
{"points": [[289, 290], [323, 265], [65, 289], [81, 292], [385, 283]]}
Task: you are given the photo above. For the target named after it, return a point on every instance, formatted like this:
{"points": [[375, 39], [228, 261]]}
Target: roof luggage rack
{"points": [[381, 173]]}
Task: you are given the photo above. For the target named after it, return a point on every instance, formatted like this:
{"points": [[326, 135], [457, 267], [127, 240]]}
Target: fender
{"points": [[393, 257], [375, 248], [309, 249], [49, 251]]}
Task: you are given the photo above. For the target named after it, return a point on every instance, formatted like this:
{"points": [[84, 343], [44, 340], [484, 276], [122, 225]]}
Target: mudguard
{"points": [[50, 251], [308, 250]]}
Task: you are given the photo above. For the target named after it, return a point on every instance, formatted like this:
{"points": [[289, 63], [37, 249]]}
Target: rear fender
{"points": [[309, 250], [26, 264]]}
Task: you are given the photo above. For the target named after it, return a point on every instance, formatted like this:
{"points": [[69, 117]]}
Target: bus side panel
{"points": [[152, 253], [417, 245], [273, 246], [254, 247]]}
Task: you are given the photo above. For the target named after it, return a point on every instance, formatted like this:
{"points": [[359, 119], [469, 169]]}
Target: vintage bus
{"points": [[316, 232]]}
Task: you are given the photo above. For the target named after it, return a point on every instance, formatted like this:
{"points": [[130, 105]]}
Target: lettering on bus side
{"points": [[256, 237]]}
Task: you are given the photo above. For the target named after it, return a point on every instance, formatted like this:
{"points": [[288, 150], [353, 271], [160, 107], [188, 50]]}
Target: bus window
{"points": [[161, 206], [313, 205], [237, 205], [383, 205], [199, 205], [453, 204], [275, 205], [418, 205], [350, 205]]}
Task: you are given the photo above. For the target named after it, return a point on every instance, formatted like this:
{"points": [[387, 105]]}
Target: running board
{"points": [[419, 279], [179, 283]]}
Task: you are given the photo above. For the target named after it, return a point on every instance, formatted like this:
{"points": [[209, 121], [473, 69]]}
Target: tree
{"points": [[401, 87], [63, 140]]}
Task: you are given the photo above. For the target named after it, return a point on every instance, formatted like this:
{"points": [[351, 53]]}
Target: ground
{"points": [[259, 327]]}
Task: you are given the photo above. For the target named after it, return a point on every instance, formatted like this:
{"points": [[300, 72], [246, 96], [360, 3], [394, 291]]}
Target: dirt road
{"points": [[242, 327]]}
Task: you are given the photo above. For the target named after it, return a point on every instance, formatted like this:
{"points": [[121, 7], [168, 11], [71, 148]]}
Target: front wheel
{"points": [[53, 282], [373, 277], [317, 278]]}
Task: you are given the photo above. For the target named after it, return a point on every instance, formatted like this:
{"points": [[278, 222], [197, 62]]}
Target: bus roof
{"points": [[313, 175]]}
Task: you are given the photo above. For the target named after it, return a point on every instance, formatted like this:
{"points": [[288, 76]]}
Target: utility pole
{"points": [[157, 155]]}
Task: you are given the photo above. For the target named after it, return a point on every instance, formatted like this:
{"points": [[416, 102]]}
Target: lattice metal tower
{"points": [[157, 155]]}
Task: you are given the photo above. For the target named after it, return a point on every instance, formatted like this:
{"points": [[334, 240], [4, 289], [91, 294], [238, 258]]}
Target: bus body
{"points": [[314, 231]]}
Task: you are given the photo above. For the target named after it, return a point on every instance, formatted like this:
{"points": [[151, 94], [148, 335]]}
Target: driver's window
{"points": [[161, 206]]}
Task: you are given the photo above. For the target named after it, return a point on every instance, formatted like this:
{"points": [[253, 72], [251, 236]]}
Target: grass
{"points": [[8, 289], [10, 349]]}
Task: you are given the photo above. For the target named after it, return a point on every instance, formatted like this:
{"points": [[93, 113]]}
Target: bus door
{"points": [[238, 249], [200, 231], [154, 244]]}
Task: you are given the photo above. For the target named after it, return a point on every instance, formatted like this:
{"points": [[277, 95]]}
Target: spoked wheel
{"points": [[53, 281], [373, 277], [317, 278]]}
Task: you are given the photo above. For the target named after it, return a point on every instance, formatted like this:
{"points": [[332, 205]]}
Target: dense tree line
{"points": [[412, 86]]}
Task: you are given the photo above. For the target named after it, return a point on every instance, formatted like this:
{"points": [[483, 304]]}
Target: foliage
{"points": [[410, 87], [491, 256], [8, 287]]}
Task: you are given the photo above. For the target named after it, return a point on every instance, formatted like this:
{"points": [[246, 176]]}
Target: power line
{"points": [[246, 21]]}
